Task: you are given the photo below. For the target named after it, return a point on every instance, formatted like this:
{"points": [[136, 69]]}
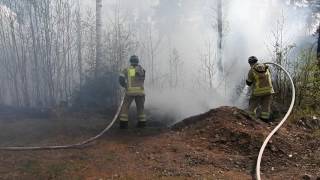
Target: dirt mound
{"points": [[228, 128], [232, 131]]}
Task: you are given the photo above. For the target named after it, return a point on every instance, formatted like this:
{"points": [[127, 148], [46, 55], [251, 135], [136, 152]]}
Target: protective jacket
{"points": [[132, 78], [259, 76]]}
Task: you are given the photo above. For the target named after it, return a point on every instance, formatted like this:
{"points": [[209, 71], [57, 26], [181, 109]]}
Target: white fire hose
{"points": [[279, 125], [68, 146]]}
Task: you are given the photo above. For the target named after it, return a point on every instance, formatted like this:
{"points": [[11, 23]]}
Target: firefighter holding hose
{"points": [[259, 78], [132, 79]]}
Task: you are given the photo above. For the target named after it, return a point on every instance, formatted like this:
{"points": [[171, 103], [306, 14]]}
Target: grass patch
{"points": [[299, 113], [56, 171], [110, 156], [316, 133], [31, 167]]}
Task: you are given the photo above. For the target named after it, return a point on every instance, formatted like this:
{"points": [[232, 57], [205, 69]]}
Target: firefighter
{"points": [[132, 79], [259, 78]]}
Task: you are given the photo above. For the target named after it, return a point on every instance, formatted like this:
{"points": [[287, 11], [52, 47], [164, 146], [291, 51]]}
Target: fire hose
{"points": [[68, 146], [279, 125]]}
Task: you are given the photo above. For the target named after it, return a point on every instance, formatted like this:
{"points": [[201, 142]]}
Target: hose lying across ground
{"points": [[68, 146], [279, 125]]}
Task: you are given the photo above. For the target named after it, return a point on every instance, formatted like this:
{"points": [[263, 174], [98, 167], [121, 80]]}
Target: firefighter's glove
{"points": [[248, 83]]}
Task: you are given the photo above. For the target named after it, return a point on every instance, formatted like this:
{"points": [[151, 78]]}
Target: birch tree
{"points": [[98, 37]]}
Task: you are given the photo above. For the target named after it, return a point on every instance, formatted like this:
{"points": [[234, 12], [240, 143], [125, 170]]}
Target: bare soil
{"points": [[220, 144]]}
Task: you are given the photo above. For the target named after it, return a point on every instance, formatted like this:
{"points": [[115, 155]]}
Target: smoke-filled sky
{"points": [[189, 25]]}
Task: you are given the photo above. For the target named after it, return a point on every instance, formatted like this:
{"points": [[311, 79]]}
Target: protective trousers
{"points": [[265, 103], [140, 108]]}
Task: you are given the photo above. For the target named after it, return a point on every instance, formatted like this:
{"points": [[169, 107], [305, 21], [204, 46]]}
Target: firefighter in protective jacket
{"points": [[259, 78], [132, 79]]}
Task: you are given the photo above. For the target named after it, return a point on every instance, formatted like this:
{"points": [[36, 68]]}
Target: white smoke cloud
{"points": [[252, 24], [187, 24], [7, 13]]}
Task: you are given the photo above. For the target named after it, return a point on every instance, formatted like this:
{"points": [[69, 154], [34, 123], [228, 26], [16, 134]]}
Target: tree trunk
{"points": [[15, 63], [151, 57], [220, 34], [48, 47], [24, 69], [98, 37], [35, 59], [292, 2], [79, 45], [318, 49]]}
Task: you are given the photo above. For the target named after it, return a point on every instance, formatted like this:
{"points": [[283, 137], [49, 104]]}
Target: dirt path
{"points": [[220, 144]]}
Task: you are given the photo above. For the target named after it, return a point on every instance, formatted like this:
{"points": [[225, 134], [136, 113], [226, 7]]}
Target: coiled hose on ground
{"points": [[68, 146], [279, 125]]}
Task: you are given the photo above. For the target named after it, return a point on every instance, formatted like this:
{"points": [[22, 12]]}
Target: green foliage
{"points": [[300, 112], [306, 76], [30, 167], [316, 134], [54, 171], [307, 82], [280, 81]]}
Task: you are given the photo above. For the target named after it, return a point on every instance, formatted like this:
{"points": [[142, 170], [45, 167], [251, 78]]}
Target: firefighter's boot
{"points": [[123, 125], [141, 124]]}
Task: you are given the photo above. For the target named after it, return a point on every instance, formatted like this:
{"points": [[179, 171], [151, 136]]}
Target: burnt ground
{"points": [[220, 144]]}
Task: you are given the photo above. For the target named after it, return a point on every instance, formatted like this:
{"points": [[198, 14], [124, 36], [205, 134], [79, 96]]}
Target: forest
{"points": [[60, 97], [57, 52]]}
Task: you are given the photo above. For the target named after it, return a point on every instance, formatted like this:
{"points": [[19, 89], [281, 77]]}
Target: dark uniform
{"points": [[132, 79], [259, 78]]}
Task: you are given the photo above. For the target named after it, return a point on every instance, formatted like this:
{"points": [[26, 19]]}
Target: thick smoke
{"points": [[176, 41], [188, 27]]}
